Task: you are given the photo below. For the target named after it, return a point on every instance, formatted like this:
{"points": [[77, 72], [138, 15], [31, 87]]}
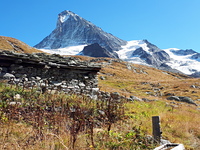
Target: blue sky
{"points": [[165, 23]]}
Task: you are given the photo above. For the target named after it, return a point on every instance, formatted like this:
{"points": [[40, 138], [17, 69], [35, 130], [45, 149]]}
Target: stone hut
{"points": [[53, 72]]}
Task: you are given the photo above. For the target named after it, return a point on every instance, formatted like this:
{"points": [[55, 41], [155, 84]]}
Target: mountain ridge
{"points": [[94, 50], [72, 30]]}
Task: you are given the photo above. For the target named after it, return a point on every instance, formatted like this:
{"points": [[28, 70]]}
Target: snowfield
{"points": [[183, 63], [71, 50]]}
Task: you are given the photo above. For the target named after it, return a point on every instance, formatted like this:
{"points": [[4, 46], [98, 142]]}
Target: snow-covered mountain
{"points": [[172, 59], [186, 61], [74, 35], [143, 52], [73, 30]]}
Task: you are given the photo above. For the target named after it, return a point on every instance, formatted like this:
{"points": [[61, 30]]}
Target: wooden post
{"points": [[156, 129]]}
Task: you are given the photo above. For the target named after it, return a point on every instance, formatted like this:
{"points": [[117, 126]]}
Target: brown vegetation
{"points": [[11, 44]]}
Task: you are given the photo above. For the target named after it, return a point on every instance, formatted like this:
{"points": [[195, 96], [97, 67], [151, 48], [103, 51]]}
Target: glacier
{"points": [[183, 63], [125, 53]]}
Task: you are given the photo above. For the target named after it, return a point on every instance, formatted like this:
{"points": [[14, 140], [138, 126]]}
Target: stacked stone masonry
{"points": [[49, 72]]}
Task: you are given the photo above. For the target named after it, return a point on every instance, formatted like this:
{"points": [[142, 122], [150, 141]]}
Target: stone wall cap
{"points": [[50, 60]]}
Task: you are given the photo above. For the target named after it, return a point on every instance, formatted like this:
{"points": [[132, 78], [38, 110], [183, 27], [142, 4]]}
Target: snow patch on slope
{"points": [[64, 18], [70, 50]]}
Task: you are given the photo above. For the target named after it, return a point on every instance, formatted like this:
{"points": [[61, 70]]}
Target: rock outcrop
{"points": [[95, 50], [182, 99]]}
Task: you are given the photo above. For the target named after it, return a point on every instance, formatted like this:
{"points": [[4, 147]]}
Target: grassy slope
{"points": [[134, 82], [11, 44], [180, 121]]}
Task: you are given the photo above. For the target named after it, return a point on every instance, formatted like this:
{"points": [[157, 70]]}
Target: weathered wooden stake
{"points": [[156, 128]]}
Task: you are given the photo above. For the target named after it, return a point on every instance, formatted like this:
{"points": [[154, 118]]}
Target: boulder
{"points": [[182, 99], [102, 78], [134, 98], [7, 76], [187, 100], [176, 98]]}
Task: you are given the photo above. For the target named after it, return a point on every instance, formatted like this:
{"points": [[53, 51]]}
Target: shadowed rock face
{"points": [[72, 30], [95, 50]]}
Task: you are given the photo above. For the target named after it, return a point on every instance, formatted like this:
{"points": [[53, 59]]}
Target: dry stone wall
{"points": [[49, 72]]}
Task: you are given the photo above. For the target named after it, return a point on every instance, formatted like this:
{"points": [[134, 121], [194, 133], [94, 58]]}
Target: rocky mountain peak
{"points": [[65, 15], [152, 47], [72, 30]]}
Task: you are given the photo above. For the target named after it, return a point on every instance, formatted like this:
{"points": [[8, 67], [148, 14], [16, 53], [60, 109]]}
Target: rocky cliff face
{"points": [[95, 50], [72, 30]]}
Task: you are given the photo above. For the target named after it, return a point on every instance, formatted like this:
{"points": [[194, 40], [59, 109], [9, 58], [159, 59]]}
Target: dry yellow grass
{"points": [[182, 126], [179, 125], [22, 136], [11, 44], [143, 79], [180, 121]]}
